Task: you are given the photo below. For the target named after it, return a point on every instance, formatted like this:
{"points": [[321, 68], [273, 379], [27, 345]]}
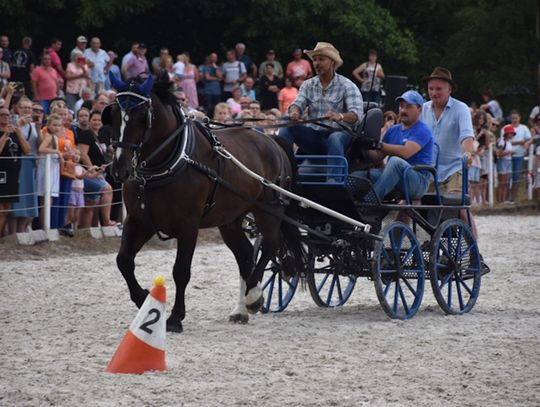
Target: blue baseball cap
{"points": [[412, 97]]}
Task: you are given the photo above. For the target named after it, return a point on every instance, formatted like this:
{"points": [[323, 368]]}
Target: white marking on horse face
{"points": [[253, 295], [118, 152]]}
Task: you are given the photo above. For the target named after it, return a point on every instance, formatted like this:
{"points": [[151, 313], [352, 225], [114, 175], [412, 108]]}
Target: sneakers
{"points": [[509, 202], [67, 230]]}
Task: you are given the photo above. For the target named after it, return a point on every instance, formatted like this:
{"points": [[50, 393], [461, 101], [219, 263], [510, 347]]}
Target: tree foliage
{"points": [[485, 43]]}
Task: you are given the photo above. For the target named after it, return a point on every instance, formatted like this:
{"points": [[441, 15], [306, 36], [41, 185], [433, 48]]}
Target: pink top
{"points": [[74, 86], [286, 97], [55, 59], [46, 79], [298, 68]]}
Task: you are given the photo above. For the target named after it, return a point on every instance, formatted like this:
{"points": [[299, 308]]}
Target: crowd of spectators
{"points": [[51, 107]]}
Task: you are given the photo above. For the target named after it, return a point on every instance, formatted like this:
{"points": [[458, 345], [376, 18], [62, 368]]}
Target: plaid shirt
{"points": [[341, 96]]}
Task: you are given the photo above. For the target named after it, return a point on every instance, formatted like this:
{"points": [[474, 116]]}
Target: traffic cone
{"points": [[143, 347]]}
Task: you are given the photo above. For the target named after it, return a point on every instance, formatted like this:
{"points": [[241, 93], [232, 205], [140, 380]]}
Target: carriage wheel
{"points": [[279, 280], [398, 271], [455, 267], [327, 285]]}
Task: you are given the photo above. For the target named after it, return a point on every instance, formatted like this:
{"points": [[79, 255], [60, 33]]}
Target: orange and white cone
{"points": [[143, 347]]}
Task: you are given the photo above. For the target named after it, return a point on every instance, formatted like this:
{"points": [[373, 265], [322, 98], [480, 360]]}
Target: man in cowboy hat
{"points": [[328, 95]]}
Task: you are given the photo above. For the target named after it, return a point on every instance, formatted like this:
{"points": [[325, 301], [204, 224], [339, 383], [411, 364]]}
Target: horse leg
{"points": [[134, 236], [269, 227], [187, 241], [236, 240]]}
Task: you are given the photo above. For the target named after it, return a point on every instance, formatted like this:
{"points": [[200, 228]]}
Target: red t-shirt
{"points": [[55, 60], [46, 80], [286, 97]]}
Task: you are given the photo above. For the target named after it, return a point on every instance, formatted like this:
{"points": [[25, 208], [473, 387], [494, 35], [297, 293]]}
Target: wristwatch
{"points": [[379, 145]]}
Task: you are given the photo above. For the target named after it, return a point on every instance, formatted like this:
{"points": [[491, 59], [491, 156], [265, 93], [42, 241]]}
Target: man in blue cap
{"points": [[408, 144]]}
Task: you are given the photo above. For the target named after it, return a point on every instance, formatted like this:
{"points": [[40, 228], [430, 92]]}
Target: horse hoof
{"points": [[239, 318], [256, 306], [174, 327]]}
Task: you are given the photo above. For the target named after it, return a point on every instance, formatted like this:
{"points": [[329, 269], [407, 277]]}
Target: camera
{"points": [[19, 86]]}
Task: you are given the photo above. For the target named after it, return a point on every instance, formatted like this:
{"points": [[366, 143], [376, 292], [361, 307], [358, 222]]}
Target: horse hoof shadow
{"points": [[239, 318], [174, 327], [256, 306]]}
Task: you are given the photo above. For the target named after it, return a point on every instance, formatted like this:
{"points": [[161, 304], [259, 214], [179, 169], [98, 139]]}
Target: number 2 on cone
{"points": [[145, 327]]}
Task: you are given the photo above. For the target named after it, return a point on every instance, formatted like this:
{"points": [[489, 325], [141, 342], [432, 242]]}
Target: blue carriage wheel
{"points": [[328, 285], [455, 267], [279, 280], [398, 271]]}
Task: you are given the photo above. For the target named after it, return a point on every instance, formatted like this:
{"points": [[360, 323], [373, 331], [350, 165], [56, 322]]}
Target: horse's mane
{"points": [[163, 89]]}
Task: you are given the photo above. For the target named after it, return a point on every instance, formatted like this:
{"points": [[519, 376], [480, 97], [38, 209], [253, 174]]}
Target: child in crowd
{"points": [[222, 113], [504, 163], [49, 145], [474, 174], [76, 198]]}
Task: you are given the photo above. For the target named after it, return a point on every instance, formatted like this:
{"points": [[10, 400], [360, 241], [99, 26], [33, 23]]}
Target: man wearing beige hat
{"points": [[80, 47], [328, 95]]}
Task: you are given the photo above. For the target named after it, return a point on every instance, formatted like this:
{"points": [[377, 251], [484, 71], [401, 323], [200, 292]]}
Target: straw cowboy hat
{"points": [[440, 73], [325, 49]]}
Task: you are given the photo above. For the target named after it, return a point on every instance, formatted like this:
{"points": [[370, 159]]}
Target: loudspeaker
{"points": [[394, 87]]}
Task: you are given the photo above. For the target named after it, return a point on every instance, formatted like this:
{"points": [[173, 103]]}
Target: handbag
{"points": [[67, 170]]}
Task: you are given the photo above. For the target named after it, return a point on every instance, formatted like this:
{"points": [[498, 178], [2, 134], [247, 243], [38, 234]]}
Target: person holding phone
{"points": [[25, 210], [12, 146], [97, 189]]}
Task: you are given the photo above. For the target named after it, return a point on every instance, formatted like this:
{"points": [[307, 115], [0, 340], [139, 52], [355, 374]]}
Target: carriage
{"points": [[407, 242], [180, 175]]}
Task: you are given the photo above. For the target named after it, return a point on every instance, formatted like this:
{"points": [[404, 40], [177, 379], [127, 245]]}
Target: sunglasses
{"points": [[38, 110]]}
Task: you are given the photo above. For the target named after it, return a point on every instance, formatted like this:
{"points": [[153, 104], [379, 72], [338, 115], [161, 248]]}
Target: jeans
{"points": [[391, 177], [517, 169], [319, 142]]}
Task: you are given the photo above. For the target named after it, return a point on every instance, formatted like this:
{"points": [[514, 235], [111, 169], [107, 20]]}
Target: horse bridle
{"points": [[125, 111]]}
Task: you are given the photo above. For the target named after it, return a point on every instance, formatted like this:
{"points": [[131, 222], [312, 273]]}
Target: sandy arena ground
{"points": [[62, 318]]}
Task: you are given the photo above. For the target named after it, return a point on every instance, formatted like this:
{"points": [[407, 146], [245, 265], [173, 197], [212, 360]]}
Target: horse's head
{"points": [[131, 121]]}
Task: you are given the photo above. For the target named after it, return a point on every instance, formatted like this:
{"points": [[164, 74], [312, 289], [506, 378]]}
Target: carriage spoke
{"points": [[395, 308], [331, 290], [340, 293], [409, 253], [387, 287], [319, 288], [280, 291], [445, 280], [409, 286], [403, 300], [458, 243], [460, 297], [446, 251], [270, 280], [270, 292], [464, 284], [449, 302], [466, 251]]}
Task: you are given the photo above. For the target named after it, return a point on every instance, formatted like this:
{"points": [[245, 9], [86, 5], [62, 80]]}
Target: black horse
{"points": [[175, 181]]}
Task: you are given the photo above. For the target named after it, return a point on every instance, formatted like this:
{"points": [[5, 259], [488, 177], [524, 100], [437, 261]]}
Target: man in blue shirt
{"points": [[408, 144], [330, 95]]}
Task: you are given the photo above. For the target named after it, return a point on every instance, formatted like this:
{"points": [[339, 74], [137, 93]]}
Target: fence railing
{"points": [[47, 203]]}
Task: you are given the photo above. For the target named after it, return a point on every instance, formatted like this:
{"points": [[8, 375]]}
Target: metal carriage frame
{"points": [[388, 254]]}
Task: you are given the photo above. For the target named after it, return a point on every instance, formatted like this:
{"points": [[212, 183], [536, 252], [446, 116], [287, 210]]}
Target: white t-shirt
{"points": [[495, 109], [178, 69], [534, 112], [506, 147]]}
